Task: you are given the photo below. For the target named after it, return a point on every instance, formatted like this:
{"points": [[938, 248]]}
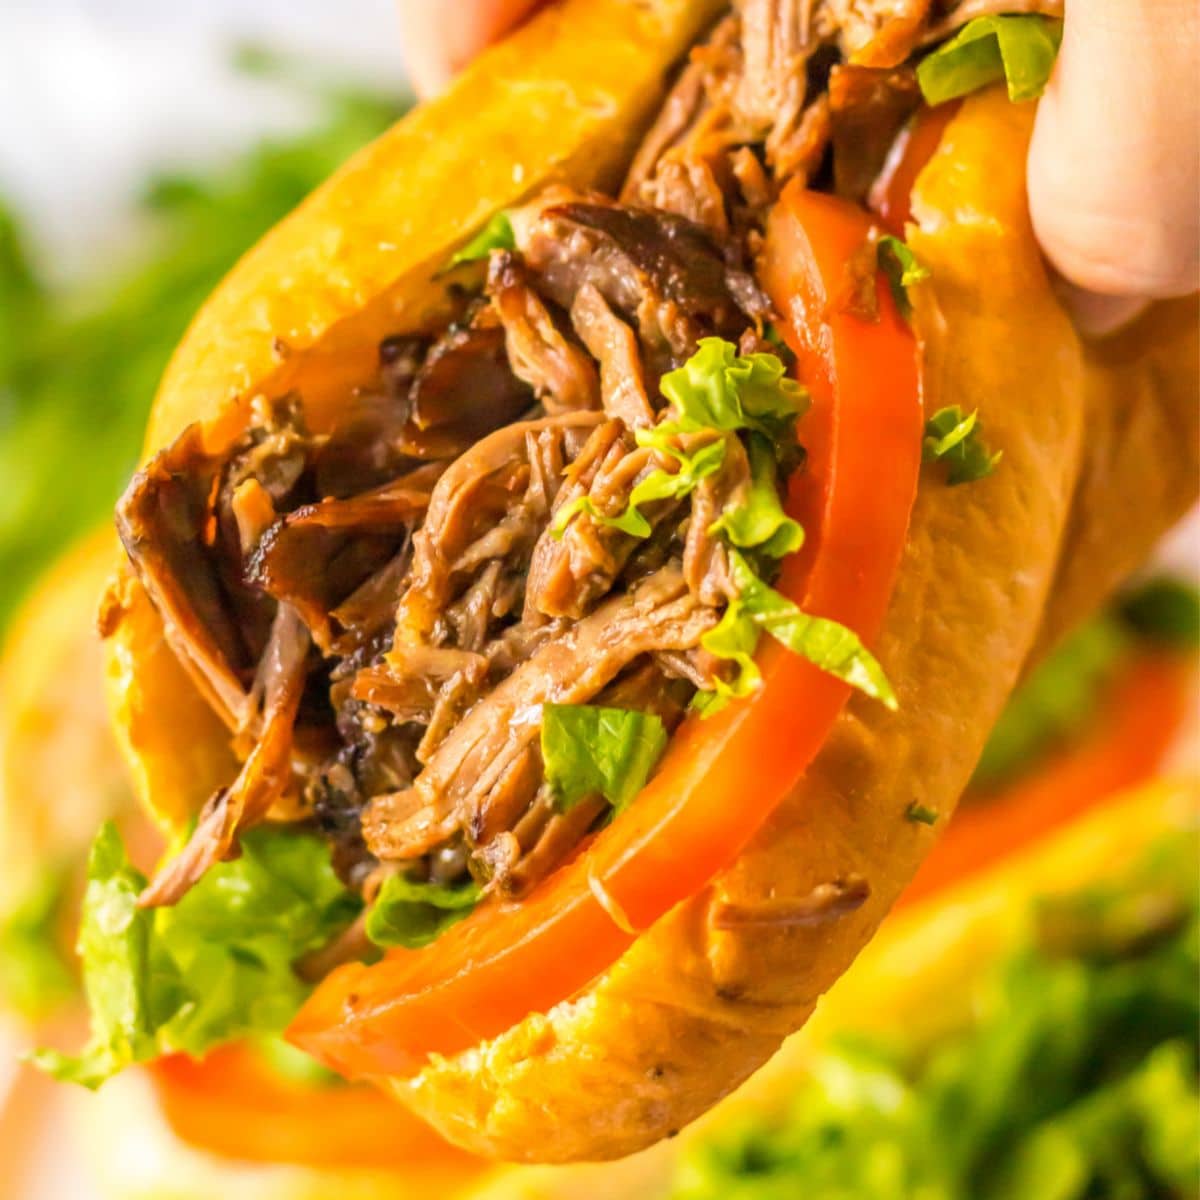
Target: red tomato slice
{"points": [[1143, 711], [863, 436], [891, 194], [233, 1104]]}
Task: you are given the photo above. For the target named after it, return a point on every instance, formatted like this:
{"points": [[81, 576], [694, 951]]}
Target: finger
{"points": [[1096, 314], [1114, 165], [440, 39]]}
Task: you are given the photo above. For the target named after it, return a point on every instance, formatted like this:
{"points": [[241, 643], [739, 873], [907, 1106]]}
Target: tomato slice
{"points": [[863, 436], [235, 1105], [891, 194], [1143, 710]]}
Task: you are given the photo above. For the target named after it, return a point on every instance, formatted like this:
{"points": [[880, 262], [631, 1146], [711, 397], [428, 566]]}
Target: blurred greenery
{"points": [[1062, 694], [1076, 1080], [35, 975], [79, 365]]}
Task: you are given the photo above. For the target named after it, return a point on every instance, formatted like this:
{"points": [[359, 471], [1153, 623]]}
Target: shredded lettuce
{"points": [[658, 485], [956, 439], [497, 234], [902, 269], [1019, 49], [413, 913], [589, 750], [826, 644], [1074, 1077], [287, 1062], [216, 967], [759, 522], [719, 389]]}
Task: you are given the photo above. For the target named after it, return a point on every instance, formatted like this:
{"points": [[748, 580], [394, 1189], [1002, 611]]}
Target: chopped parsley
{"points": [[901, 268], [921, 814], [956, 439]]}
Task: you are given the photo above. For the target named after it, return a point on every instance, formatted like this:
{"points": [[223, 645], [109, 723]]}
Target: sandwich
{"points": [[1105, 711], [580, 554]]}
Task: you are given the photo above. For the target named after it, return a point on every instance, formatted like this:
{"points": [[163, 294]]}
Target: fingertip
{"points": [[1096, 315], [437, 44], [1113, 164]]}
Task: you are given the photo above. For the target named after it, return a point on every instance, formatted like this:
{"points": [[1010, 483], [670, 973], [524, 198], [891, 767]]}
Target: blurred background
{"points": [[143, 147]]}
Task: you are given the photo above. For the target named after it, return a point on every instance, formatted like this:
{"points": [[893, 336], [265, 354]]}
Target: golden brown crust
{"points": [[1141, 469], [564, 98], [690, 1011]]}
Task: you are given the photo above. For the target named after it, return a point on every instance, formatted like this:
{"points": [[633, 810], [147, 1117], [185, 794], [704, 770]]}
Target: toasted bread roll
{"points": [[697, 1003], [692, 1010]]}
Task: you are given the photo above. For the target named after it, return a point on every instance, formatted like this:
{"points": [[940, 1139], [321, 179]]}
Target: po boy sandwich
{"points": [[582, 551], [1099, 714]]}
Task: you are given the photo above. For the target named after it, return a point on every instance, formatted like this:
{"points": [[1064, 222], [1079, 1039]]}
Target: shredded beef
{"points": [[486, 766], [263, 777], [379, 611], [167, 525], [867, 108], [613, 344], [560, 373]]}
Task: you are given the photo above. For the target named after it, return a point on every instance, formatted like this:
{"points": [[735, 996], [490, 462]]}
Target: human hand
{"points": [[1114, 165], [437, 45]]}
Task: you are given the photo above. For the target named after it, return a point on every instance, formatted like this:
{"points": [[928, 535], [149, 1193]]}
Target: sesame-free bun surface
{"points": [[690, 1011]]}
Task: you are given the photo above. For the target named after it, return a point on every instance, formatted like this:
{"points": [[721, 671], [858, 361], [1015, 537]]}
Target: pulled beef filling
{"points": [[379, 612]]}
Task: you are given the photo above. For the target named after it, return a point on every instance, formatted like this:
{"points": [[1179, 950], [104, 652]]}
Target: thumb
{"points": [[440, 39], [1114, 165]]}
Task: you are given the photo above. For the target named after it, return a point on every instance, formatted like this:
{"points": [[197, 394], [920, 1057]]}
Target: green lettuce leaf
{"points": [[734, 638], [719, 389], [902, 269], [957, 440], [825, 643], [589, 750], [1019, 49], [114, 942], [413, 913], [658, 485], [497, 234], [286, 1061], [216, 967], [759, 522]]}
